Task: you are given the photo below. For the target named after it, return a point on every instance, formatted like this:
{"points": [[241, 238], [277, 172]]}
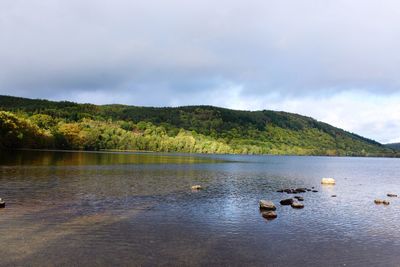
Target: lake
{"points": [[131, 209]]}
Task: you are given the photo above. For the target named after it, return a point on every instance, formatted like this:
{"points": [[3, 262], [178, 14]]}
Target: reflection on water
{"points": [[96, 209]]}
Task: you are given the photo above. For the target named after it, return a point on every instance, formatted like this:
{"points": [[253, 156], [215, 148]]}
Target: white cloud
{"points": [[336, 60]]}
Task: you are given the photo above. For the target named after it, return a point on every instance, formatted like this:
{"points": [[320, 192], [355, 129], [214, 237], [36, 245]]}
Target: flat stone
{"points": [[288, 201], [269, 215], [330, 181], [379, 201], [267, 205], [315, 191], [333, 196], [197, 187], [391, 195], [297, 205]]}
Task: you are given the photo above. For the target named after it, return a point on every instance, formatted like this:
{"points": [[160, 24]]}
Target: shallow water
{"points": [[130, 209]]}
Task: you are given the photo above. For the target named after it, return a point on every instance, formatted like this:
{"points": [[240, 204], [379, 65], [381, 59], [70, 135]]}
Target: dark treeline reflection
{"points": [[60, 158]]}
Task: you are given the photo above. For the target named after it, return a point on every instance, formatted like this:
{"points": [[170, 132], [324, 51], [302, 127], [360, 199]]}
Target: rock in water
{"points": [[315, 191], [299, 198], [391, 195], [269, 214], [333, 196], [301, 190], [197, 187], [328, 181], [2, 203], [297, 205], [267, 205], [288, 201], [385, 202], [379, 201]]}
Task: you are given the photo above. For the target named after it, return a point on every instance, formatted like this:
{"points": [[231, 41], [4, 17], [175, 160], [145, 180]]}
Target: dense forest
{"points": [[30, 123]]}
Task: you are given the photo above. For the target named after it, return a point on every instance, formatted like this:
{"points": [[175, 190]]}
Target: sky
{"points": [[337, 61]]}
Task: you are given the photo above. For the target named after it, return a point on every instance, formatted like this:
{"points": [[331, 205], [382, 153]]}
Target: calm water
{"points": [[125, 209]]}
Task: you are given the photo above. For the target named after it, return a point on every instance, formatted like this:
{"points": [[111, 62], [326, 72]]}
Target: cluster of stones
{"points": [[2, 203], [384, 201], [268, 208], [297, 190]]}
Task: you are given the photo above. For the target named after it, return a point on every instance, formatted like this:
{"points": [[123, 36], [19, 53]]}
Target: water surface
{"points": [[130, 209]]}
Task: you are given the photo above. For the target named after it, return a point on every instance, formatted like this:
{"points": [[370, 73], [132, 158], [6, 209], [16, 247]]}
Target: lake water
{"points": [[131, 209]]}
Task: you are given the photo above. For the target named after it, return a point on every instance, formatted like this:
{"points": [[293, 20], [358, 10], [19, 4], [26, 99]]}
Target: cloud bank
{"points": [[334, 60]]}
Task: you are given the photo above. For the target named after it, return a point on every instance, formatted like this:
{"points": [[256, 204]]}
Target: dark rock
{"points": [[2, 204], [333, 196], [280, 191], [391, 195], [385, 202], [308, 189], [267, 205], [301, 190], [289, 191], [288, 201], [378, 201], [269, 215], [315, 191]]}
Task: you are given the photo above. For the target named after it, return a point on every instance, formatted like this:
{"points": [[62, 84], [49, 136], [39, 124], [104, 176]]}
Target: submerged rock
{"points": [[299, 198], [333, 196], [197, 187], [267, 205], [391, 195], [280, 191], [288, 201], [330, 181], [297, 205], [269, 215]]}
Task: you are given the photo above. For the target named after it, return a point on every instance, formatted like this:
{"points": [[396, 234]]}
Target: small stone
{"points": [[288, 201], [391, 195], [280, 191], [315, 191], [197, 187], [269, 215], [385, 202], [333, 196], [297, 205], [308, 189], [299, 198], [301, 190], [379, 201], [330, 181], [267, 205]]}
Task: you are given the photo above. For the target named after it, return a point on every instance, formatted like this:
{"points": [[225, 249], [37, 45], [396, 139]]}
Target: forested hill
{"points": [[395, 146], [201, 129]]}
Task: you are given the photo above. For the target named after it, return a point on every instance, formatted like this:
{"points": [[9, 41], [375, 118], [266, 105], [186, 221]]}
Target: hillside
{"points": [[395, 146], [199, 129]]}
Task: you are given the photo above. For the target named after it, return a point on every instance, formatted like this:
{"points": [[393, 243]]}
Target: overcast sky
{"points": [[337, 61]]}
